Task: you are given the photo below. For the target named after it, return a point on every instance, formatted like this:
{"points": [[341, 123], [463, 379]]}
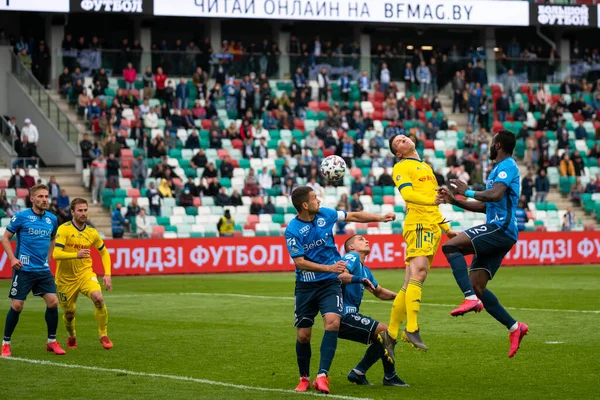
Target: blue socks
{"points": [[495, 309], [12, 318], [303, 353], [459, 269], [328, 346], [374, 353], [52, 322]]}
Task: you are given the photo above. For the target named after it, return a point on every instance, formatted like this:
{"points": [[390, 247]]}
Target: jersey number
{"points": [[340, 303], [427, 237]]}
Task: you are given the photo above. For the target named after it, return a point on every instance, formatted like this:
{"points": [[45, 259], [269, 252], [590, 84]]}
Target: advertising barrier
{"points": [[448, 12], [582, 16], [269, 254]]}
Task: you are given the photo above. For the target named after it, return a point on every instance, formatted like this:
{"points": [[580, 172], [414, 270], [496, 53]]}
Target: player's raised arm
{"points": [[306, 265], [365, 217]]}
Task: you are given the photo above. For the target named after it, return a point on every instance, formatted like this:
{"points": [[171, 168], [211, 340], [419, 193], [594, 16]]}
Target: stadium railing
{"points": [[177, 64], [42, 99]]}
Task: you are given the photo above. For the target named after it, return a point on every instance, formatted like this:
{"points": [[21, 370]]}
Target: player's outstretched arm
{"points": [[306, 265], [446, 196], [384, 294], [347, 278], [365, 217]]}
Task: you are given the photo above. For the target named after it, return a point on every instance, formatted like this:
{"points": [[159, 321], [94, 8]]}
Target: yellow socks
{"points": [[413, 304], [101, 316], [70, 325], [398, 313]]}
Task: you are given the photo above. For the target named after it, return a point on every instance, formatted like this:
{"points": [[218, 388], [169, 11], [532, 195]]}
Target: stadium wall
{"points": [[268, 254]]}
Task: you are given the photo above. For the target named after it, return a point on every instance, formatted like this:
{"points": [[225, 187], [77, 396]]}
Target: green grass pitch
{"points": [[182, 337]]}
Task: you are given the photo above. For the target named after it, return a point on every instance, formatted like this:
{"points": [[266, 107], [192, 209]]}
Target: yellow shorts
{"points": [[422, 241], [68, 291]]}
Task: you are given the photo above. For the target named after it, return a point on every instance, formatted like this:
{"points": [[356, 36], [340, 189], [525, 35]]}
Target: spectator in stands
{"points": [[521, 215], [472, 108], [63, 202], [357, 186], [542, 187], [118, 223], [13, 208], [520, 113], [215, 140], [578, 164], [148, 80], [31, 132], [181, 94], [226, 224], [364, 85], [209, 171], [133, 209], [424, 77], [568, 220], [139, 171], [222, 198], [99, 166], [511, 86], [25, 59], [4, 203], [288, 187], [542, 97], [101, 77], [64, 82], [54, 187], [199, 160], [129, 75], [154, 199], [527, 185], [502, 107], [576, 190], [151, 120], [458, 87], [112, 171], [226, 168], [265, 180], [592, 186], [143, 225], [16, 181], [159, 80], [384, 79], [186, 199], [323, 83], [356, 204], [112, 147], [236, 198], [566, 166], [165, 188]]}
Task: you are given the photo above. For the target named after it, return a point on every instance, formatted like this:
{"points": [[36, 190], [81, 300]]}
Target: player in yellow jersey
{"points": [[74, 272], [423, 229]]}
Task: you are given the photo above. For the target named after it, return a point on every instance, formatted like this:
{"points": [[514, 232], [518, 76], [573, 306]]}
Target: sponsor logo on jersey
{"points": [[427, 178], [315, 243], [304, 229], [502, 175], [32, 218], [321, 222]]}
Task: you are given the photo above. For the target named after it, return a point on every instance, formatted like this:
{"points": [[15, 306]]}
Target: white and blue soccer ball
{"points": [[333, 168]]}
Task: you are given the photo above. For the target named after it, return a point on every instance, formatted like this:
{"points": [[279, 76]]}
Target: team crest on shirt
{"points": [[321, 222], [365, 321], [13, 219], [398, 177], [502, 175], [48, 221], [13, 292]]}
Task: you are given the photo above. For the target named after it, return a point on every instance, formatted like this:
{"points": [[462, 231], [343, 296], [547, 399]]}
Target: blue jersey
{"points": [[314, 241], [33, 234], [504, 212], [353, 293]]}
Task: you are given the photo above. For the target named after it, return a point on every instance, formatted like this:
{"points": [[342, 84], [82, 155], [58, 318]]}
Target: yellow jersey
{"points": [[417, 185], [71, 240]]}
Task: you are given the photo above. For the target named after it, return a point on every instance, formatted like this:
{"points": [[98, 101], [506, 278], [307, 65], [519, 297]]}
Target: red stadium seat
{"points": [[350, 232], [206, 123], [177, 182], [197, 201], [235, 163], [525, 88], [126, 153], [354, 172], [578, 117], [221, 153], [253, 218], [497, 126], [379, 97], [127, 173], [251, 226], [135, 193], [158, 229], [389, 200], [429, 144], [299, 124], [378, 116], [237, 234], [327, 153], [313, 105], [373, 225], [3, 184], [237, 144], [324, 106], [22, 193]]}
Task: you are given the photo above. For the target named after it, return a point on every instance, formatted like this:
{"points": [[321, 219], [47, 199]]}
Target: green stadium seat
{"points": [[191, 211], [389, 190], [164, 221], [377, 191]]}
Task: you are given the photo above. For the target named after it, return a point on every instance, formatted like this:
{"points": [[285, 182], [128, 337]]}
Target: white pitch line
{"points": [[180, 378], [251, 296]]}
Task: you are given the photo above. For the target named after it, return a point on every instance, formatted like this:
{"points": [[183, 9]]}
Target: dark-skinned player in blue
{"points": [[491, 241]]}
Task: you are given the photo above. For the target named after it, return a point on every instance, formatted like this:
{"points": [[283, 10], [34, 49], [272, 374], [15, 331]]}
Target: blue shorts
{"points": [[491, 245], [358, 328], [314, 297], [38, 282]]}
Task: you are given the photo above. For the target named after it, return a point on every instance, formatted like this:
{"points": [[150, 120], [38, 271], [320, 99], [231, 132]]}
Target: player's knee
{"points": [[70, 316], [52, 302], [98, 299], [450, 249], [17, 305], [304, 336]]}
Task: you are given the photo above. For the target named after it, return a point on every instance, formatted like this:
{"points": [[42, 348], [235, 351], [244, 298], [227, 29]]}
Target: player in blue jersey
{"points": [[35, 229], [360, 328], [491, 241], [309, 240]]}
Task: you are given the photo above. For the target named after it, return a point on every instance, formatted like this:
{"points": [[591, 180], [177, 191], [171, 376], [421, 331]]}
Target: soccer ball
{"points": [[333, 168]]}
